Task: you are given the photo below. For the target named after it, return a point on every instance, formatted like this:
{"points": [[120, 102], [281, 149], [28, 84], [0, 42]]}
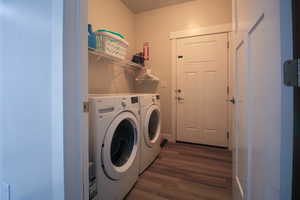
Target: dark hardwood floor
{"points": [[186, 172]]}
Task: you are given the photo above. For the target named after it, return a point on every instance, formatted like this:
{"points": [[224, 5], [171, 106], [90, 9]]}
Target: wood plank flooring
{"points": [[186, 172]]}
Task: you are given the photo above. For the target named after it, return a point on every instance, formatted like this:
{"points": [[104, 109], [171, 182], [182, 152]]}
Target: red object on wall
{"points": [[146, 51]]}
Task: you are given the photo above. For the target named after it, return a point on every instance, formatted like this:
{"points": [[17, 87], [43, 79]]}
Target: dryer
{"points": [[150, 129], [114, 143]]}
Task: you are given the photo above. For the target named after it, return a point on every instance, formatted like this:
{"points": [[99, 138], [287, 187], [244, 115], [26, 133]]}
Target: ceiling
{"points": [[138, 6]]}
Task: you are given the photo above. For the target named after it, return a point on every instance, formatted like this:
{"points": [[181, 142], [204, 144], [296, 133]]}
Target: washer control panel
{"points": [[134, 100]]}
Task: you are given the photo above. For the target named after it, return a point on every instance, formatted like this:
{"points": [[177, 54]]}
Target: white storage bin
{"points": [[111, 44]]}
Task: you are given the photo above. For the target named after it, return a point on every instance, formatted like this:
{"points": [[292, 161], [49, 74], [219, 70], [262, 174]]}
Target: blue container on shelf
{"points": [[92, 37]]}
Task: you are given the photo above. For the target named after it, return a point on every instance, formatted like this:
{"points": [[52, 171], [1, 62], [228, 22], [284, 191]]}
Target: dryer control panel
{"points": [[134, 100]]}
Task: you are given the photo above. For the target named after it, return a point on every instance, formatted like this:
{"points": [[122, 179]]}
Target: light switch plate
{"points": [[5, 191]]}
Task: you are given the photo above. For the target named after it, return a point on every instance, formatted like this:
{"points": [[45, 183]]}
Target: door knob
{"points": [[180, 98], [231, 100]]}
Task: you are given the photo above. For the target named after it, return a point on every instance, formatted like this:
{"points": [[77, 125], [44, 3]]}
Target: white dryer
{"points": [[114, 143], [150, 129]]}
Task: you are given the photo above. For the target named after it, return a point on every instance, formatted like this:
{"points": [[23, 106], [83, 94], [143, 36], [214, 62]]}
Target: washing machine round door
{"points": [[120, 145], [152, 126]]}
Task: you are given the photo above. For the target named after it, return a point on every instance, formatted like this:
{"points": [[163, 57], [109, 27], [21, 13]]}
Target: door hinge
{"points": [[232, 100], [228, 90], [227, 135], [86, 107], [228, 44], [292, 73]]}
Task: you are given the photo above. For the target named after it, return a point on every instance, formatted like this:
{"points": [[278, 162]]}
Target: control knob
{"points": [[123, 103], [153, 99]]}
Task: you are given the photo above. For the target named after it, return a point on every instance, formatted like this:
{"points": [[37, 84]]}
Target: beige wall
{"points": [[105, 77], [154, 27]]}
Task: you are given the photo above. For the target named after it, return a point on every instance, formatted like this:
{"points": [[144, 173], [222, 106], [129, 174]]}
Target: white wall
{"points": [[155, 26], [113, 15], [30, 132], [105, 77]]}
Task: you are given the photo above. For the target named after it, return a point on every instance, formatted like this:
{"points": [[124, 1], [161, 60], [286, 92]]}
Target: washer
{"points": [[150, 129], [114, 143]]}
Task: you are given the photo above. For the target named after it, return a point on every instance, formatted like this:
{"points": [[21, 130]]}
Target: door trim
{"points": [[174, 36], [222, 28], [75, 81], [57, 27], [296, 118]]}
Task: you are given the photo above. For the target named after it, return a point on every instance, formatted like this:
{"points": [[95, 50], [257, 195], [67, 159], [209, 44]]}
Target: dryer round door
{"points": [[152, 126], [120, 146]]}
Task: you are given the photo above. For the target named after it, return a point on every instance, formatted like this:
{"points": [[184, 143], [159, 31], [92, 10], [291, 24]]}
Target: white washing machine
{"points": [[150, 129], [114, 143]]}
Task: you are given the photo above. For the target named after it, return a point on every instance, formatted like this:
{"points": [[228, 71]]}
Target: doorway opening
{"points": [[242, 52]]}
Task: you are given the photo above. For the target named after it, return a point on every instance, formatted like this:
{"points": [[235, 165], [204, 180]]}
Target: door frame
{"points": [[174, 36], [296, 55], [57, 27], [75, 92]]}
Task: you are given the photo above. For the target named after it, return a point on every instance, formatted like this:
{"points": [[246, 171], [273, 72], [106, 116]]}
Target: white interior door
{"points": [[202, 81], [264, 131], [241, 147]]}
